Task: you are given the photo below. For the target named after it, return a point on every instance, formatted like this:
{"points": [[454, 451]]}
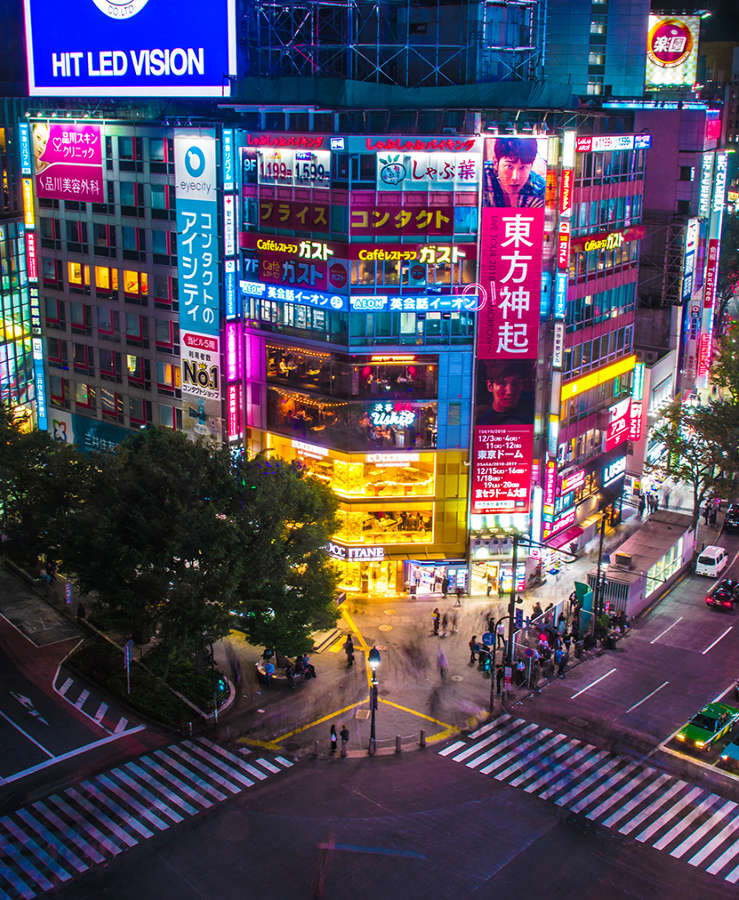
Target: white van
{"points": [[712, 561]]}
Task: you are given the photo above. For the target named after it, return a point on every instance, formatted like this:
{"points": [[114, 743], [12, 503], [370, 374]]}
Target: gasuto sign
{"points": [[129, 48]]}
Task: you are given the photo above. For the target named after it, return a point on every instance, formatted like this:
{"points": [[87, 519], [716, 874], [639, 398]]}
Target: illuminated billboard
{"points": [[511, 240], [68, 161], [149, 48], [672, 51]]}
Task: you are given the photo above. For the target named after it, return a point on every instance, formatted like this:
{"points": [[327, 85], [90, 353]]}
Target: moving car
{"points": [[708, 726], [724, 595], [730, 755], [731, 519], [712, 561]]}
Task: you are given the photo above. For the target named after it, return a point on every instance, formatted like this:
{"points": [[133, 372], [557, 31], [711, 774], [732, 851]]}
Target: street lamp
{"points": [[374, 662]]}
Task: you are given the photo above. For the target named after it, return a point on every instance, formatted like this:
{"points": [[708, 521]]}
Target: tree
{"points": [[691, 452], [284, 519]]}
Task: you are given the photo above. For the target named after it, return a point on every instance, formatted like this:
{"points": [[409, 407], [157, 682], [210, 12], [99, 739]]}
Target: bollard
{"points": [[372, 747], [315, 748], [422, 741], [398, 748]]}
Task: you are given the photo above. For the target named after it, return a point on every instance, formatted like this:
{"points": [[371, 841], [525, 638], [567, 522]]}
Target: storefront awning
{"points": [[566, 537]]}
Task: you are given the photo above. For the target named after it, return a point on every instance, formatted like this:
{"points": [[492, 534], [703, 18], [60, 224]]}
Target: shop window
{"points": [[386, 525]]}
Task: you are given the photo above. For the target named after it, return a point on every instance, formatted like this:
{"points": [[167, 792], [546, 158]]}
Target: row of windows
{"points": [[113, 406], [77, 278], [594, 308], [609, 166], [134, 151], [113, 366], [607, 214], [585, 265], [594, 354], [133, 242]]}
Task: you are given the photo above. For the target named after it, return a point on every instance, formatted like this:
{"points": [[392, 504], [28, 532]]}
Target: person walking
{"points": [[444, 586], [706, 513], [667, 500], [713, 516], [443, 664], [436, 616], [333, 740], [642, 506], [454, 622], [562, 667], [500, 634], [344, 739], [460, 591], [473, 649], [349, 650], [499, 675], [444, 624]]}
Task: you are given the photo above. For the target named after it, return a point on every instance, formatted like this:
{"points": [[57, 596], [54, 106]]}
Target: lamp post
{"points": [[374, 662]]}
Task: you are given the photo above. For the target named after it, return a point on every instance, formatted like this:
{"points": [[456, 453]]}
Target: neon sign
{"points": [[390, 414]]}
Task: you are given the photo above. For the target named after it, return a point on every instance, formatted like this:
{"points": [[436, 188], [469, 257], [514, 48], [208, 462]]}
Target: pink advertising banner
{"points": [[511, 248], [68, 161], [619, 424]]}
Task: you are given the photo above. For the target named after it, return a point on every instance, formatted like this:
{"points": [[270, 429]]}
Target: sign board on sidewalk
{"points": [[488, 638]]}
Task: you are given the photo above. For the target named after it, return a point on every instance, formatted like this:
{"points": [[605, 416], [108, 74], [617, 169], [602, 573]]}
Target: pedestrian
{"points": [[349, 650], [667, 500], [563, 664], [344, 739], [706, 512], [333, 740], [444, 624], [454, 623], [269, 671], [436, 616], [443, 664], [500, 634], [489, 583], [460, 591], [642, 505], [473, 649], [499, 675], [537, 611], [444, 586]]}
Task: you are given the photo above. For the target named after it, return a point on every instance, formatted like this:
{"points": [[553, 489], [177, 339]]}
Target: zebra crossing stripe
{"points": [[30, 845], [69, 832], [193, 776], [615, 779], [193, 761], [494, 751], [540, 760], [9, 849], [490, 739], [237, 761], [116, 809], [585, 784], [451, 748], [60, 847], [733, 876], [283, 762], [171, 796], [149, 763], [671, 813], [502, 760], [127, 839], [684, 821], [635, 801], [267, 765], [80, 701], [592, 756], [726, 857], [538, 782], [716, 842], [66, 686], [483, 729], [649, 810], [606, 804], [534, 749], [223, 766], [147, 795], [133, 803], [707, 826], [16, 883], [86, 826]]}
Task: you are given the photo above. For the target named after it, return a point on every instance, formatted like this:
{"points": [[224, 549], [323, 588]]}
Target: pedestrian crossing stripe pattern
{"points": [[89, 705], [629, 797], [49, 842]]}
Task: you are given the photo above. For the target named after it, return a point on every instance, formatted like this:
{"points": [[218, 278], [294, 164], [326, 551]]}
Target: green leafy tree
{"points": [[692, 453], [284, 520]]}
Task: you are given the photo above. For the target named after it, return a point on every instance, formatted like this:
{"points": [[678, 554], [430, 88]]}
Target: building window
{"points": [[166, 336], [135, 285], [139, 411], [106, 280], [169, 417], [83, 361], [84, 395], [55, 313], [686, 173], [59, 392], [78, 276], [110, 365], [79, 314], [111, 404]]}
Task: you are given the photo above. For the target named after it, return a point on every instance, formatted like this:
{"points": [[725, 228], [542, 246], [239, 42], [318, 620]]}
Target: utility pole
{"points": [[512, 601], [597, 591]]}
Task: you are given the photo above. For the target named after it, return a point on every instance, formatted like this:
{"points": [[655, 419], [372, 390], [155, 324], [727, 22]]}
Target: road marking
{"points": [[273, 745], [666, 630], [721, 637], [25, 735], [593, 684], [414, 712], [684, 801], [79, 702], [102, 709], [629, 826], [712, 845], [66, 686], [121, 726], [664, 683], [707, 826]]}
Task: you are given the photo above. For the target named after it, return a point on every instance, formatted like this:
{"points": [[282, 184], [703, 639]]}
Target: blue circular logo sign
{"points": [[194, 161]]}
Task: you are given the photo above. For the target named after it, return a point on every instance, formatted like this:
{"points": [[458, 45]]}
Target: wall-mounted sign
{"points": [[719, 182], [427, 171], [293, 295], [573, 482], [704, 354], [311, 450], [68, 160], [600, 143], [29, 218], [563, 245], [558, 345], [355, 554], [428, 254], [382, 303], [227, 159], [294, 215], [550, 484], [618, 424], [24, 147], [148, 48], [200, 365], [419, 145], [229, 224], [387, 414], [613, 471], [565, 193], [709, 289], [672, 50], [704, 197], [288, 167], [607, 240], [397, 219], [384, 460]]}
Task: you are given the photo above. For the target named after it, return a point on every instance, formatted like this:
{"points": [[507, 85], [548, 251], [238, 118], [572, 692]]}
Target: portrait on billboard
{"points": [[514, 173], [505, 391]]}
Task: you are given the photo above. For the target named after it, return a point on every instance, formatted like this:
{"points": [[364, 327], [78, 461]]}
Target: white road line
{"points": [[606, 786], [652, 808], [726, 857], [716, 842], [733, 876], [570, 746], [149, 763], [68, 831], [635, 801], [198, 764], [663, 633], [283, 762], [583, 785], [79, 702], [12, 878], [483, 729], [168, 793], [125, 817], [533, 768], [237, 761], [66, 686], [267, 765], [669, 814], [121, 726], [644, 699], [593, 684], [707, 826], [451, 748], [52, 840], [679, 827], [490, 739], [98, 814], [31, 846], [720, 638], [488, 754], [27, 736], [124, 795], [490, 767], [102, 709], [193, 776], [230, 770], [570, 772], [88, 827], [534, 749], [9, 849]]}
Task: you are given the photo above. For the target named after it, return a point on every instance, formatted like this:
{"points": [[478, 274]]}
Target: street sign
{"points": [[488, 638], [529, 652], [68, 593]]}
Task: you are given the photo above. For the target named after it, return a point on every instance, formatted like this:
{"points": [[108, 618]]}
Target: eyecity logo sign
{"points": [[120, 9], [194, 161]]}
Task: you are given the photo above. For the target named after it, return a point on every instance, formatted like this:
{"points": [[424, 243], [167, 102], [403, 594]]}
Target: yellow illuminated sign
{"points": [[28, 216], [580, 385]]}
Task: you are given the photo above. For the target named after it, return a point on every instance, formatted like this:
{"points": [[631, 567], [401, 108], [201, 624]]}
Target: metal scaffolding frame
{"points": [[410, 43]]}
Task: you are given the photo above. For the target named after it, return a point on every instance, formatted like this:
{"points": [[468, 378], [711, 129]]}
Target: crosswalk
{"points": [[51, 841], [91, 705], [631, 798]]}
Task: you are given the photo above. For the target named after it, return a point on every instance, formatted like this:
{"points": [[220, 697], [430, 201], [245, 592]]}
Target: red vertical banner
{"points": [[709, 290], [511, 247]]}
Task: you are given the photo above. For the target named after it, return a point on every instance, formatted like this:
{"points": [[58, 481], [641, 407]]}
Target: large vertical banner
{"points": [[198, 275], [672, 51], [511, 246]]}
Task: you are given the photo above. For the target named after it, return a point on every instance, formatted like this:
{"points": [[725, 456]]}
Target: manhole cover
{"points": [[389, 612], [457, 678], [578, 722], [384, 627], [362, 714]]}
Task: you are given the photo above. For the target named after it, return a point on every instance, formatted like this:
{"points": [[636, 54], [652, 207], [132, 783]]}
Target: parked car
{"points": [[724, 595], [708, 726], [730, 755], [712, 561], [731, 519]]}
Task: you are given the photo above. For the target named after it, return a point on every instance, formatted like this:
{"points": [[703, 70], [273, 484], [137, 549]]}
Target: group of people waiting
{"points": [[301, 668]]}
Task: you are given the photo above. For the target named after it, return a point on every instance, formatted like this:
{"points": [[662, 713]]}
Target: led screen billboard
{"points": [[672, 50], [511, 240], [150, 48]]}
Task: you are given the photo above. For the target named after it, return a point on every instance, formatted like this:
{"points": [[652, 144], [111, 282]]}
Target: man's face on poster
{"points": [[513, 174], [506, 392]]}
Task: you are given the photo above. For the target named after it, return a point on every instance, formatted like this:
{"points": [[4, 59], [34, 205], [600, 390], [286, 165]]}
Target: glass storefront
{"points": [[386, 524]]}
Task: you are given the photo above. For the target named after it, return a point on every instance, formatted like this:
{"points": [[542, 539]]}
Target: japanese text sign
{"points": [[68, 161], [396, 220], [502, 464], [427, 171]]}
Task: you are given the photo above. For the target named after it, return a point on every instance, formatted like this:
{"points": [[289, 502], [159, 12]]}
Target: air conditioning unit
{"points": [[623, 559]]}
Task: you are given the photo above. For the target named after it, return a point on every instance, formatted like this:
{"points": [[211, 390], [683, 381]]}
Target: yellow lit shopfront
{"points": [[394, 507]]}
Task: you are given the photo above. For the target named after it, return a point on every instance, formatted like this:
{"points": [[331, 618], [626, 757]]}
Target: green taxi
{"points": [[708, 726]]}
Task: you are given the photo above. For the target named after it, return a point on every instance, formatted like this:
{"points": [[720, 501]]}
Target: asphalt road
{"points": [[417, 826], [680, 656]]}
